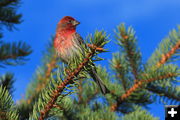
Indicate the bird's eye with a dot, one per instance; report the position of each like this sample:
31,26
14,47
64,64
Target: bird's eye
70,21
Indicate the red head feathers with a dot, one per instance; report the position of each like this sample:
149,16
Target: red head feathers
67,23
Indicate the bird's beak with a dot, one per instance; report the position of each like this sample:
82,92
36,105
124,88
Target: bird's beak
75,22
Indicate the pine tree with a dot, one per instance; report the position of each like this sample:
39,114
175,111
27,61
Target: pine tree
12,53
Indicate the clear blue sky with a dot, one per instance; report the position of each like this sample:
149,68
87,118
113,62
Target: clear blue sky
152,20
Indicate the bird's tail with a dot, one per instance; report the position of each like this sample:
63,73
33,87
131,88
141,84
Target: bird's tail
98,81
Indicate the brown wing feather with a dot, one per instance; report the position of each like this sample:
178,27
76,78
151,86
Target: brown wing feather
79,38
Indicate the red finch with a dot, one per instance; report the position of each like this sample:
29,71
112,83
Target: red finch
68,42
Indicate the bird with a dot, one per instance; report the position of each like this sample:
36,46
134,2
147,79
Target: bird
68,42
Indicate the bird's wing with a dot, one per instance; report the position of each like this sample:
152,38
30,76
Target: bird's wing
79,38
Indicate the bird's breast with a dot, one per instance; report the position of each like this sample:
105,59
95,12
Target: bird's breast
65,46
63,43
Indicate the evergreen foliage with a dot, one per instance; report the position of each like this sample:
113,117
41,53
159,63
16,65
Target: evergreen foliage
7,108
61,91
6,81
10,54
137,115
14,53
8,14
67,92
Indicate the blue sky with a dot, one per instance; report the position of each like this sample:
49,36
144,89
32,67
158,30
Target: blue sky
151,19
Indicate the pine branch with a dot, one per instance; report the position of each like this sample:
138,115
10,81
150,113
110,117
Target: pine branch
8,15
7,110
131,56
120,66
137,85
64,110
14,53
170,93
169,54
166,85
173,41
40,80
59,89
166,50
92,46
6,81
43,80
127,42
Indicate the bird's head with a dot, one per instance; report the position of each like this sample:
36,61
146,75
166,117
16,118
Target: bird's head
67,23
